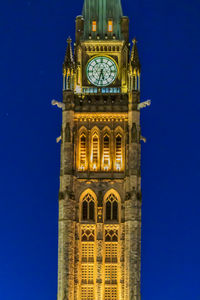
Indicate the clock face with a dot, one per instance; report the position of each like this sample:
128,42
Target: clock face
101,71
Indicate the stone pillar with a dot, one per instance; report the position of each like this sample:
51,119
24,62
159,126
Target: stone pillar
133,204
67,205
66,248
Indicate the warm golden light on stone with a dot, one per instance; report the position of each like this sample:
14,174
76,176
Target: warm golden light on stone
100,184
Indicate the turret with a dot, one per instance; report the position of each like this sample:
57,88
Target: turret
68,68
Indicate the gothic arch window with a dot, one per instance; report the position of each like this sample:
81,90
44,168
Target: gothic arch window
106,152
88,208
82,150
95,150
112,207
118,154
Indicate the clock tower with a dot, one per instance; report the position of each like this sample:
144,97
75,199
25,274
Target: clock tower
99,252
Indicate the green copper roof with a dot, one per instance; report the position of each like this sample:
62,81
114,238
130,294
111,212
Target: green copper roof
102,11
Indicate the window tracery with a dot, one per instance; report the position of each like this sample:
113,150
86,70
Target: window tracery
111,208
87,262
111,263
88,208
99,151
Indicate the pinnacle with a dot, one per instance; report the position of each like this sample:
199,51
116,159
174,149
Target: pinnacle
69,40
135,61
69,60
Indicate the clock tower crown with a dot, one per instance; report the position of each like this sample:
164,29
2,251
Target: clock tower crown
102,19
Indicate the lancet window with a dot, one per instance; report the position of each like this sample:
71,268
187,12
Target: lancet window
111,207
88,208
118,154
82,152
101,150
95,152
106,152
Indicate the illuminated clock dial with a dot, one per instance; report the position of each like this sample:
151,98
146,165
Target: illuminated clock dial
101,71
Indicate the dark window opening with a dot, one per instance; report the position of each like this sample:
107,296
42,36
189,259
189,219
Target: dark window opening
115,210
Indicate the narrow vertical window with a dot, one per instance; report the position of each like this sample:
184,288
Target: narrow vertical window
82,152
110,26
85,211
91,210
111,264
88,208
118,153
94,26
87,270
106,152
95,152
108,211
111,208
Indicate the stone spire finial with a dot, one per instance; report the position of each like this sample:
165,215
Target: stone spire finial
69,60
135,61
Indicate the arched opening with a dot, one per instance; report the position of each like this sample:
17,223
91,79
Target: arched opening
118,154
106,153
84,210
88,207
112,208
82,152
95,144
108,210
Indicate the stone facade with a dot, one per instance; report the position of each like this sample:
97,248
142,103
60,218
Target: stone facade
99,254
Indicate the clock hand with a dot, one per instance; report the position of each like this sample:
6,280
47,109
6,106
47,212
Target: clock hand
101,75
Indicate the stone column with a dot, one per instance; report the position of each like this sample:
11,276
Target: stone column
66,248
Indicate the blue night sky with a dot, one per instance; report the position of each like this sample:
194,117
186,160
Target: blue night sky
33,43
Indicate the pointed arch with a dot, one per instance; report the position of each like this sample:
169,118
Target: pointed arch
112,203
119,149
88,202
95,149
106,148
82,149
